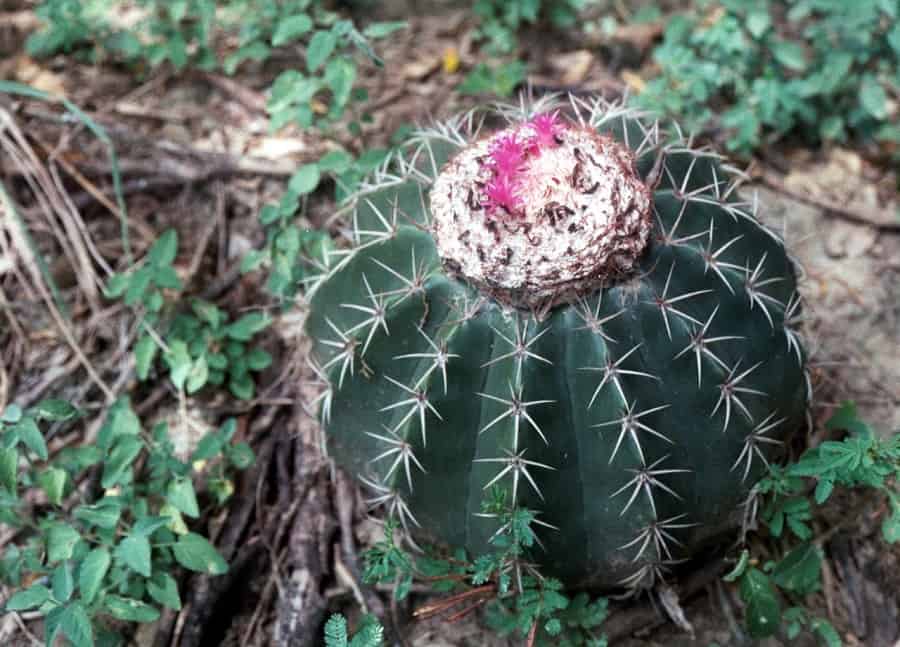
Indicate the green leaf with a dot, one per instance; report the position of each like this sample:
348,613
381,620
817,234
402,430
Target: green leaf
252,260
76,625
800,569
52,626
244,328
165,277
146,526
134,552
553,627
336,631
763,607
61,540
196,553
269,214
12,413
335,162
53,482
789,53
320,47
197,376
893,39
165,249
62,582
120,459
174,520
92,571
9,463
872,97
827,631
291,28
758,22
103,514
340,74
163,589
31,435
33,596
117,285
56,410
832,127
241,385
305,179
256,51
369,634
208,312
890,527
501,79
179,360
258,359
137,286
129,609
180,494
739,568
125,422
144,353
241,456
847,418
381,29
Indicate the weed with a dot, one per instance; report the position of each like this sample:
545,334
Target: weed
862,459
369,633
499,24
83,558
200,346
814,68
190,33
519,599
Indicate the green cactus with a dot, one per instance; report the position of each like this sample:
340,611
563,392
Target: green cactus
630,389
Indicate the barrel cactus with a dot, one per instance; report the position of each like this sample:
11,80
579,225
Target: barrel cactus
576,305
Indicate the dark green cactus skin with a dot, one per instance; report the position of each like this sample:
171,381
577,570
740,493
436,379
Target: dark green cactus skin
626,501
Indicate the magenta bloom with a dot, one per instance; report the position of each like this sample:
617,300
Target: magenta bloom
507,156
546,127
501,194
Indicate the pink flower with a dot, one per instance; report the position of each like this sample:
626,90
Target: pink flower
501,194
546,127
507,156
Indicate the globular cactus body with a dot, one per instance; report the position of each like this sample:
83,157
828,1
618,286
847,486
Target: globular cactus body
631,396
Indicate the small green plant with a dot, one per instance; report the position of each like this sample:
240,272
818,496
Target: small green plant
201,346
862,459
206,348
519,599
191,32
296,256
369,634
500,20
85,558
501,79
815,68
499,24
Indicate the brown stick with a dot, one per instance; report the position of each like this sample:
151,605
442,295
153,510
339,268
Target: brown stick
775,183
438,607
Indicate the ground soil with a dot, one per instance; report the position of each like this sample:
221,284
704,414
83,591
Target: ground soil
197,155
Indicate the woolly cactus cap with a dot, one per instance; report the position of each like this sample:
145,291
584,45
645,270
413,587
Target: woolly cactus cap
540,213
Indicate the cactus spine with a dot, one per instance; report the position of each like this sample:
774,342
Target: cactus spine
570,308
